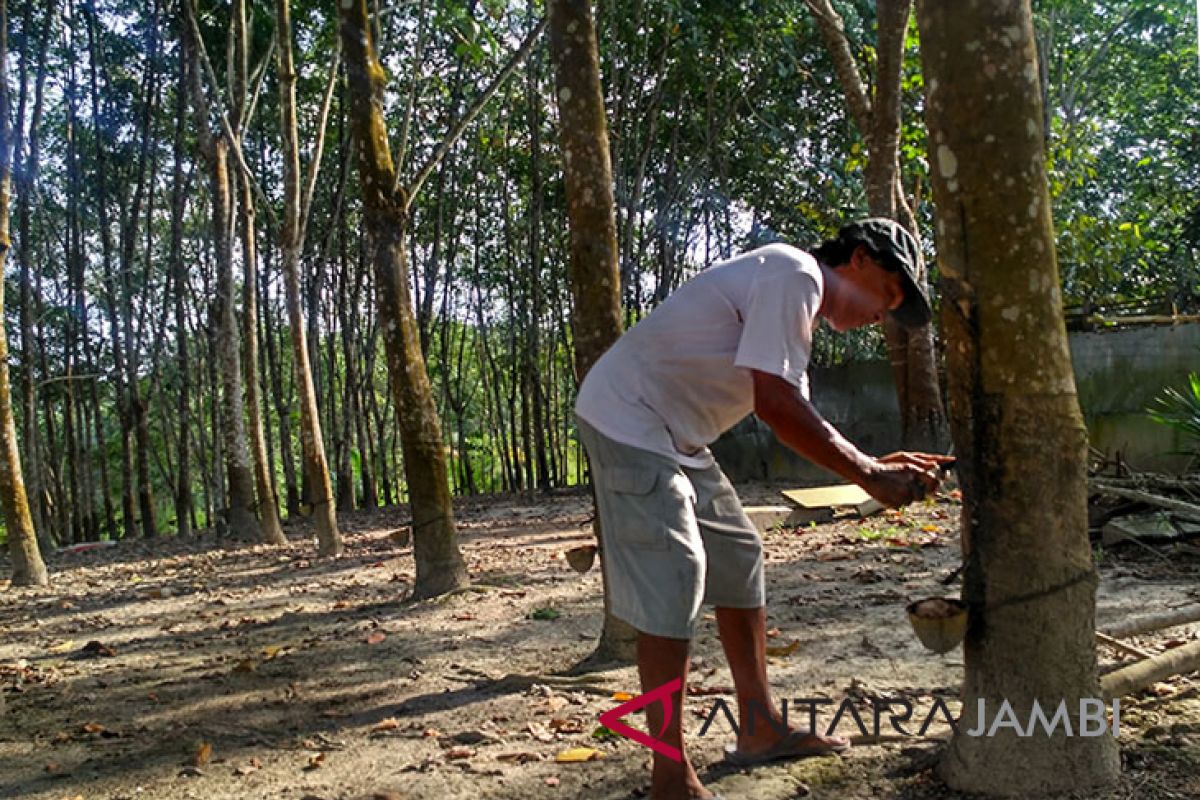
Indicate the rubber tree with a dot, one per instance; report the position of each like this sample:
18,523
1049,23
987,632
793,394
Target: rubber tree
28,567
295,208
1029,582
239,112
876,114
215,149
386,213
587,173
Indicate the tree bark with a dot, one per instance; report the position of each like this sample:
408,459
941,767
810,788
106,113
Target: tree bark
28,567
179,276
587,172
1021,443
264,483
440,566
312,445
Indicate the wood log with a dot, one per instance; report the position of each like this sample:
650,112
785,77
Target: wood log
1154,622
1189,511
1136,677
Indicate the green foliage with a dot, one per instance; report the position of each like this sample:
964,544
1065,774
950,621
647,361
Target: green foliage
1123,147
1180,409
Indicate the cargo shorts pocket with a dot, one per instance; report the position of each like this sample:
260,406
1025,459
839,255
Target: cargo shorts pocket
637,517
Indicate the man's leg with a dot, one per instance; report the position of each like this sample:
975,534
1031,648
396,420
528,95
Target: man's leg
661,660
744,637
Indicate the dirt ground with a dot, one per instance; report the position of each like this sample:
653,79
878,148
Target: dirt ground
205,669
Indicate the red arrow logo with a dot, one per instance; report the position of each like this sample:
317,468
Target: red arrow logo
663,693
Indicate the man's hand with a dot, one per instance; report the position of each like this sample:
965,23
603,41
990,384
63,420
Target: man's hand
901,478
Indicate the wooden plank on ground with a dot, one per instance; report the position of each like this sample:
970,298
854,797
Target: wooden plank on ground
846,494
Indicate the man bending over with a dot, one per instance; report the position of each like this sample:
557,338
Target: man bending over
734,339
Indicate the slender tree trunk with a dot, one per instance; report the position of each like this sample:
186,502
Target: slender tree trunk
239,468
267,507
179,273
28,568
147,180
282,410
1030,582
595,283
114,284
440,566
26,180
264,482
241,516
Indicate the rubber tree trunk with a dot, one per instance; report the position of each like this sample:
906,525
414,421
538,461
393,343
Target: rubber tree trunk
264,482
312,445
1029,582
28,567
595,280
183,474
243,522
440,566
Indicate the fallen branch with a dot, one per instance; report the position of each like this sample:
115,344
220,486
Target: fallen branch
1146,481
1119,646
1154,622
1138,676
1189,511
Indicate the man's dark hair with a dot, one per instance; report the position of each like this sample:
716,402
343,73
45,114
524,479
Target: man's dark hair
837,252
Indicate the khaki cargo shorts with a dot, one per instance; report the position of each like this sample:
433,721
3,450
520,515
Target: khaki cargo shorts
673,538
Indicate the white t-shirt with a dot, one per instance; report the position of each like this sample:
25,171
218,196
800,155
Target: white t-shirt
681,377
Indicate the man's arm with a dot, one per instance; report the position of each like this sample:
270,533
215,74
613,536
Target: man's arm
893,481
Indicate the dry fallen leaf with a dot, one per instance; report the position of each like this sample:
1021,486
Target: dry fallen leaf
622,697
459,752
375,637
61,647
246,665
578,754
783,651
389,724
202,755
272,651
93,727
552,780
315,761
